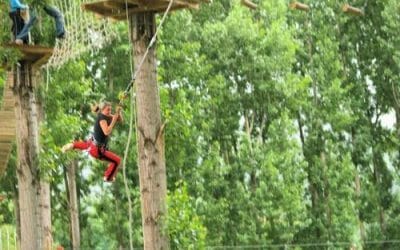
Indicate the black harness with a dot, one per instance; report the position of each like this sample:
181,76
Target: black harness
101,147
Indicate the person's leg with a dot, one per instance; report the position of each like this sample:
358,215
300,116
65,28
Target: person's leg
59,19
17,22
27,27
14,23
81,145
112,168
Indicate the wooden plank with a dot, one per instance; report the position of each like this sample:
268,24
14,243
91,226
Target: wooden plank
8,105
8,93
6,115
188,4
30,49
5,146
6,150
8,98
10,80
97,7
7,138
6,121
140,10
4,154
3,164
7,125
42,61
117,9
32,53
10,122
4,132
121,4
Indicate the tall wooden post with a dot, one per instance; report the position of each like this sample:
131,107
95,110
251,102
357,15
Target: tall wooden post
34,194
152,170
73,204
27,170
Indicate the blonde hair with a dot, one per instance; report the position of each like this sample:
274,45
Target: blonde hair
98,107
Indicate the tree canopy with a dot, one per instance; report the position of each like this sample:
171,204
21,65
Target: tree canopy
282,129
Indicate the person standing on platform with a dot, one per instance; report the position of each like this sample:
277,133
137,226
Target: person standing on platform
16,12
49,10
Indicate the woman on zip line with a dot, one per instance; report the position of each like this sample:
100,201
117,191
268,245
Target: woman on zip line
97,145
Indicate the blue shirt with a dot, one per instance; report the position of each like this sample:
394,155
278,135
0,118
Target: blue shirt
16,4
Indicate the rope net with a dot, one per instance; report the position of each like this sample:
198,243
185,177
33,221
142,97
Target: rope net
84,32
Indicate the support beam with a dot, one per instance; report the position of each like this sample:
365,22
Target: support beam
352,10
299,6
32,54
157,9
249,4
116,9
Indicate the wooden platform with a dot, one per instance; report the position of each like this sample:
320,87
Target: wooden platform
116,9
33,54
7,122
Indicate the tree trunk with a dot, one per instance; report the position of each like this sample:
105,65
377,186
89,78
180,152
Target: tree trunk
34,195
44,186
45,216
73,206
27,171
152,171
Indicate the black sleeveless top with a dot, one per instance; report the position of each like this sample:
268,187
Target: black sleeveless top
98,133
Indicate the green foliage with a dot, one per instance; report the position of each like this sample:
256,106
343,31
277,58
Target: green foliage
185,228
277,128
7,237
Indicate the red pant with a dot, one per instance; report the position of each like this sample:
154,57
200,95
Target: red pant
104,155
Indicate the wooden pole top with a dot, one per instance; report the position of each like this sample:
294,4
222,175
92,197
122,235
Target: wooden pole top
299,6
352,10
249,4
117,9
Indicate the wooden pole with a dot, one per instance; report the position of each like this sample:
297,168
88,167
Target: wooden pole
299,6
27,170
352,10
73,204
151,158
249,4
